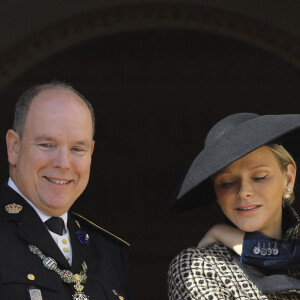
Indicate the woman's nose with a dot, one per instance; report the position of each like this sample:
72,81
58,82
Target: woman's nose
245,190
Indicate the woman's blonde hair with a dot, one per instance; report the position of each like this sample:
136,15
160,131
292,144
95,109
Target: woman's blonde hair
284,159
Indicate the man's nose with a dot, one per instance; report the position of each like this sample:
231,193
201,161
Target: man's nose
245,190
61,158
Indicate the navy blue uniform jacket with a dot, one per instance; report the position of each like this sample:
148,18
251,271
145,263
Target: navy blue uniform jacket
105,257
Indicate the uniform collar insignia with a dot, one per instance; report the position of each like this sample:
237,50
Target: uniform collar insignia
13,208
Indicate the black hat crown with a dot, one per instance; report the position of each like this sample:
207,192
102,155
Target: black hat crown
226,125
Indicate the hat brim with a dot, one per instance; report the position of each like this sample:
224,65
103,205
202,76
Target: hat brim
196,187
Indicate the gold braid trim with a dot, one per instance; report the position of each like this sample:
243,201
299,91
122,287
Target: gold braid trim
102,229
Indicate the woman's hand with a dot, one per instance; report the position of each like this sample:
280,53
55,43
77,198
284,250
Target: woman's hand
209,237
230,236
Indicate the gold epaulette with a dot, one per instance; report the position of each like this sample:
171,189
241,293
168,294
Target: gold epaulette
102,229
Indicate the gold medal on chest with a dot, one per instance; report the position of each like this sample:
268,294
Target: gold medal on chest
79,295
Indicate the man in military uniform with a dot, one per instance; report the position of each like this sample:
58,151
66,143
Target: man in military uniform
46,251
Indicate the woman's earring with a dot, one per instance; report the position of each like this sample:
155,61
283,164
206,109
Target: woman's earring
287,196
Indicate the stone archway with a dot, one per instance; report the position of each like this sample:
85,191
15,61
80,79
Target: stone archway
140,17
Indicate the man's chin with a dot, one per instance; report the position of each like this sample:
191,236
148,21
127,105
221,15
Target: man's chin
55,207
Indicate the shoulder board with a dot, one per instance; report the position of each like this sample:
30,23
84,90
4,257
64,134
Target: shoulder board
100,228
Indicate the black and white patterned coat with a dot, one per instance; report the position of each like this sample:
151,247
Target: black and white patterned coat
216,273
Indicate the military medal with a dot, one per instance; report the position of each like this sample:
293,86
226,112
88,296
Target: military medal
83,237
65,275
79,295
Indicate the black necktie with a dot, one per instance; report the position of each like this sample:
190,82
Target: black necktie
56,225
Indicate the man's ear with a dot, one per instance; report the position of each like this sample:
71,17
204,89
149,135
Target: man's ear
13,146
93,147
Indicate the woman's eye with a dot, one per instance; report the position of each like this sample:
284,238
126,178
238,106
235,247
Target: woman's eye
227,184
258,178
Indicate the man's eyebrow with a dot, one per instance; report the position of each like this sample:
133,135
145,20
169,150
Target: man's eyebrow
43,138
82,143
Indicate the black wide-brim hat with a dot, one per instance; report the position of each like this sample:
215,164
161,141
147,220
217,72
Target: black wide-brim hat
230,139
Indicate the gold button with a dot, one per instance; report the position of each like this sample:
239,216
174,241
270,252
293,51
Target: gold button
67,258
66,250
30,276
64,241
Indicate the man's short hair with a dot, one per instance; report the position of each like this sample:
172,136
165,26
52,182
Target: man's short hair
24,102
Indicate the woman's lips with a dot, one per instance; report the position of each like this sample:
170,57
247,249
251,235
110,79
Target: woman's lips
247,210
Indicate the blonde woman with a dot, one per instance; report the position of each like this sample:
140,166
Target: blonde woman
245,165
